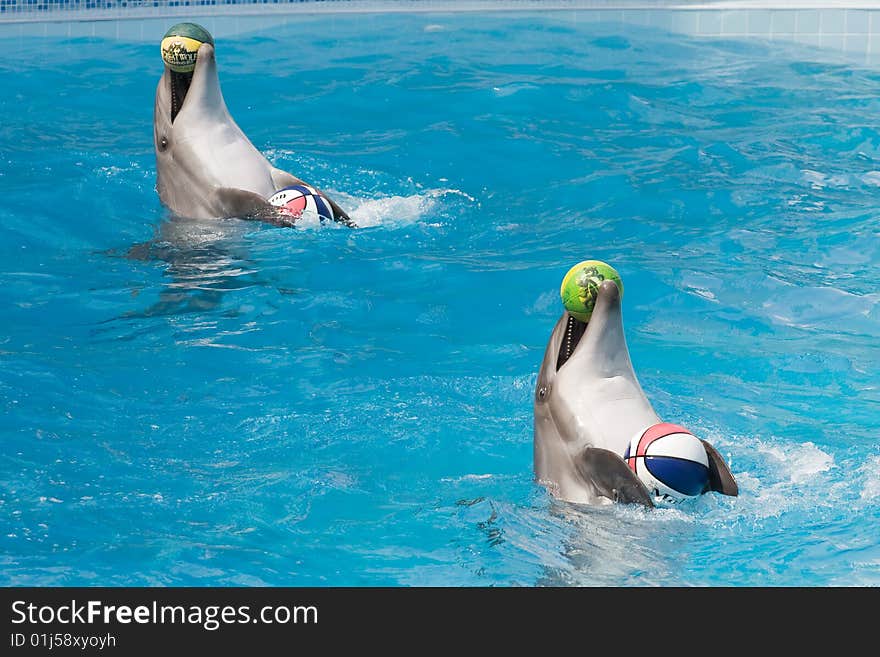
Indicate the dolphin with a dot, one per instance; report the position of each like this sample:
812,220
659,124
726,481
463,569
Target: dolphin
589,404
206,167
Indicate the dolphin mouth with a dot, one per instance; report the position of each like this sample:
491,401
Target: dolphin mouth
602,320
180,83
574,331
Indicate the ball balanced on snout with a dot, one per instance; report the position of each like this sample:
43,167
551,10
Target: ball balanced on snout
580,286
181,44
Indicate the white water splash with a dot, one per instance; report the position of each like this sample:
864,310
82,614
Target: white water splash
545,303
396,210
792,475
871,471
800,463
115,171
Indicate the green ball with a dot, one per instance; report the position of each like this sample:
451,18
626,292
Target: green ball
180,45
580,286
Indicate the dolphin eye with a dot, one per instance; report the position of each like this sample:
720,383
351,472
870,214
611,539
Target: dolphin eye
163,143
542,392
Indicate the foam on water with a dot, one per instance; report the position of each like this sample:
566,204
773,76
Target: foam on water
871,473
396,211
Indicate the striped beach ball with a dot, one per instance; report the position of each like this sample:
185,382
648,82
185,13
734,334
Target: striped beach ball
670,460
296,200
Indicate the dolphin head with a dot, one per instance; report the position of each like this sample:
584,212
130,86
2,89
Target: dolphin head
206,167
174,89
588,405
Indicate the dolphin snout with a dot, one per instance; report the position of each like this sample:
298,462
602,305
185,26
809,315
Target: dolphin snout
608,288
607,299
607,304
206,51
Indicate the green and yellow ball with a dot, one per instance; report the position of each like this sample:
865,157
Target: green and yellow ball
180,46
580,287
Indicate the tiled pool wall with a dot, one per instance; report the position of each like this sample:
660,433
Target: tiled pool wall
848,27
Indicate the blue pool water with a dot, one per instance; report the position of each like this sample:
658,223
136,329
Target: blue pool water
227,403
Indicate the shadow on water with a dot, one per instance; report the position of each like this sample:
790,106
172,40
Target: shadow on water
545,542
202,261
614,545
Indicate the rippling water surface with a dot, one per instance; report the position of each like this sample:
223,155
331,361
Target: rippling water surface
226,403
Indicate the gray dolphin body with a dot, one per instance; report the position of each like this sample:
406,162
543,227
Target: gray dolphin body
589,404
206,167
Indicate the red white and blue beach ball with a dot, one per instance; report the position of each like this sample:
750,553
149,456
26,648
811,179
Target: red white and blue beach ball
296,200
670,460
